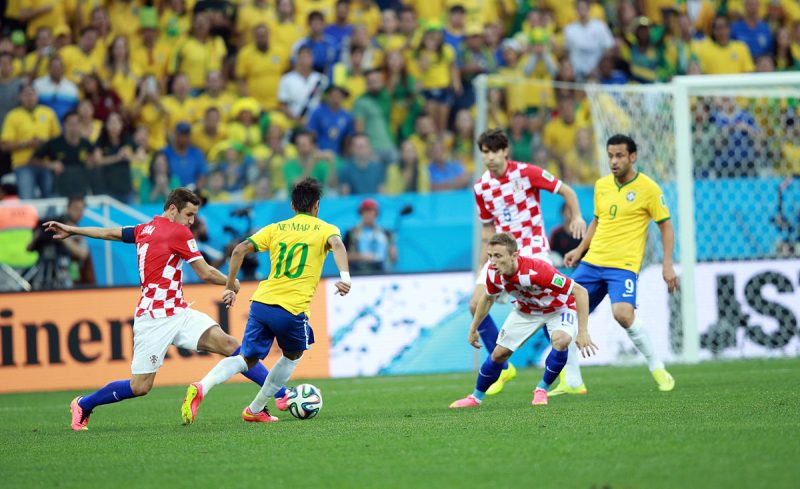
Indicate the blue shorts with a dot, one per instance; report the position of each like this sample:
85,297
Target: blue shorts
619,284
441,95
267,322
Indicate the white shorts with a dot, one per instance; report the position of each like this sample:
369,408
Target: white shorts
544,256
520,326
153,336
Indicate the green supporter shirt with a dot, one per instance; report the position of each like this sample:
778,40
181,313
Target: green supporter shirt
292,171
375,112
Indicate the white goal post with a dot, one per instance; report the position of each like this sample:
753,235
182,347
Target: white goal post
705,139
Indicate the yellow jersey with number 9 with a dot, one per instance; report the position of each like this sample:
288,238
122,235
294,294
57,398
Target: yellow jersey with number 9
297,249
623,214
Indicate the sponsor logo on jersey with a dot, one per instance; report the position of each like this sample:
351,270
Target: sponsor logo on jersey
548,176
631,196
663,201
559,280
192,245
516,185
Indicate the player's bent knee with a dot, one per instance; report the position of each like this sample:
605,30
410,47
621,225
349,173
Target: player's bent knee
230,344
293,355
140,387
251,362
624,319
500,356
560,341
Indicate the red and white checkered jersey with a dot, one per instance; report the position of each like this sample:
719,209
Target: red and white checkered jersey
161,248
511,202
537,287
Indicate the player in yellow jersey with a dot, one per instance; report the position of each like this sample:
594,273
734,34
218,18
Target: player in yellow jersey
624,204
279,307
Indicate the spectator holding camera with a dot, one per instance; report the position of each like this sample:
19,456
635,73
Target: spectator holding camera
63,263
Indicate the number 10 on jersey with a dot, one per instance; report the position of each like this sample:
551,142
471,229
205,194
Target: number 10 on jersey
285,259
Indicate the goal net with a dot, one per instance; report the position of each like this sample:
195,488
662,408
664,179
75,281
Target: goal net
726,152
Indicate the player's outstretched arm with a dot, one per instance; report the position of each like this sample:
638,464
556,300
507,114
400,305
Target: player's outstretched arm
668,243
340,258
231,283
209,274
62,231
577,226
583,341
481,311
574,256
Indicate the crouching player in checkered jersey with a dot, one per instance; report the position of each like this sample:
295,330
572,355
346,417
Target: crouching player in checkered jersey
543,297
162,316
507,196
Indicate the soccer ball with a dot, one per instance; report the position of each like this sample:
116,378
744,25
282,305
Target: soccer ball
305,401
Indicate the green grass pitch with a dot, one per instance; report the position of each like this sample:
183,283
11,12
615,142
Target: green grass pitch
726,425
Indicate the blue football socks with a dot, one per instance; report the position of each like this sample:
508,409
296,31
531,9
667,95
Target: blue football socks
552,367
258,374
487,330
111,393
488,375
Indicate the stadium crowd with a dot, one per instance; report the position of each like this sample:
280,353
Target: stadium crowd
241,99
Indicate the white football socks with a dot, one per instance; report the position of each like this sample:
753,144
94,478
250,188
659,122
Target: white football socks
641,339
224,370
278,376
572,370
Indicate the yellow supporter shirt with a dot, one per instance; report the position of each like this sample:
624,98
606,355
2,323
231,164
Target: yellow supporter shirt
427,9
155,122
275,162
180,111
120,14
262,73
623,214
54,17
559,136
22,124
791,159
326,7
297,249
249,17
197,58
437,76
370,17
76,63
204,141
123,84
154,62
717,60
223,102
29,62
283,36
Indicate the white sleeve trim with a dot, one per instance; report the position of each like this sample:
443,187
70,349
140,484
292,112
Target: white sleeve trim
558,187
571,286
190,260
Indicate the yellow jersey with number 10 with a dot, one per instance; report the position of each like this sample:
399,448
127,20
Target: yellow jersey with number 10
297,249
623,214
